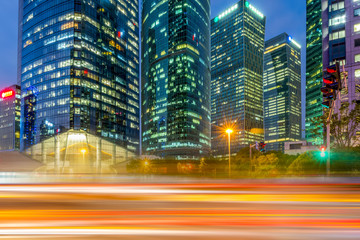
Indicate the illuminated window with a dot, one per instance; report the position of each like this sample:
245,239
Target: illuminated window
337,35
337,20
336,6
357,73
356,12
357,58
357,27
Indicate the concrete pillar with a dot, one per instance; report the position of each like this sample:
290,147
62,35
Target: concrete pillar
43,152
57,154
98,155
114,154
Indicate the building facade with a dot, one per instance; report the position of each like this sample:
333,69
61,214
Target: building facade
341,42
78,68
237,37
314,66
176,78
10,118
282,92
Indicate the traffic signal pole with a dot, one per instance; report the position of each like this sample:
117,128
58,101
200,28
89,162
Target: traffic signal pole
328,148
331,92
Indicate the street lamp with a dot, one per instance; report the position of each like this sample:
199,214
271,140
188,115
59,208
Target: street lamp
229,132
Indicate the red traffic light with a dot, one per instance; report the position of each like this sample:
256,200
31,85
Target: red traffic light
331,70
323,148
328,81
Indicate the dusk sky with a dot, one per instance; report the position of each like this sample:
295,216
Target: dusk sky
281,16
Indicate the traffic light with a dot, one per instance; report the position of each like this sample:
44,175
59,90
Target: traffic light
332,84
262,147
322,149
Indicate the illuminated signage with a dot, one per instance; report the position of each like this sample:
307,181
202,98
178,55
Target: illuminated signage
7,94
294,42
248,5
225,13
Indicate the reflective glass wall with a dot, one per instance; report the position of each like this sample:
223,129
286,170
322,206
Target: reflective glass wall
282,92
237,51
79,69
176,78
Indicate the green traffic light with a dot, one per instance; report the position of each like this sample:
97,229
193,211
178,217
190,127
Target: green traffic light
322,154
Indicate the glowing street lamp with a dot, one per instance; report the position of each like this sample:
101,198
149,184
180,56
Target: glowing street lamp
229,132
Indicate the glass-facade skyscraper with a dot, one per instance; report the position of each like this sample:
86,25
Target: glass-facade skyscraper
176,78
314,66
78,69
282,92
237,51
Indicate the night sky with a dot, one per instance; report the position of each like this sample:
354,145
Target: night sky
281,16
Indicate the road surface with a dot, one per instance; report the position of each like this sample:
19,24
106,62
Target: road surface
196,210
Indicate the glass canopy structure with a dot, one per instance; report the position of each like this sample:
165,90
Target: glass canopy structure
78,152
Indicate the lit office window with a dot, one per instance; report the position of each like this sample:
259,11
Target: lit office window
336,6
356,12
357,73
357,58
337,35
357,27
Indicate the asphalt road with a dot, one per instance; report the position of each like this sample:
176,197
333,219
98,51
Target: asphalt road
186,210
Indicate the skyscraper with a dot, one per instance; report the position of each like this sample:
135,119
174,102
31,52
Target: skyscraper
10,118
237,53
341,43
314,66
176,78
282,92
78,68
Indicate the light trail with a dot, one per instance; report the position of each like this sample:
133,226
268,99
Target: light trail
209,211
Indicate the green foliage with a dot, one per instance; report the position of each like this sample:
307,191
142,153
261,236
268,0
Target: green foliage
345,160
203,165
266,165
307,163
343,125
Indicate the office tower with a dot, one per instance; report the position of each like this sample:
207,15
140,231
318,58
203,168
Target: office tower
10,118
176,78
79,69
313,67
341,43
237,51
282,92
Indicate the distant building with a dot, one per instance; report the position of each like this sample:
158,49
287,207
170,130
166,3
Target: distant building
237,51
282,92
314,66
300,147
10,106
176,78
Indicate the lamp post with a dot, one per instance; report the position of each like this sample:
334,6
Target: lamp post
229,132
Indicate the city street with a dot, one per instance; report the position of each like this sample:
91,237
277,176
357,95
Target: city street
208,209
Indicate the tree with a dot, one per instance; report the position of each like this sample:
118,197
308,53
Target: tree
343,125
266,164
306,163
